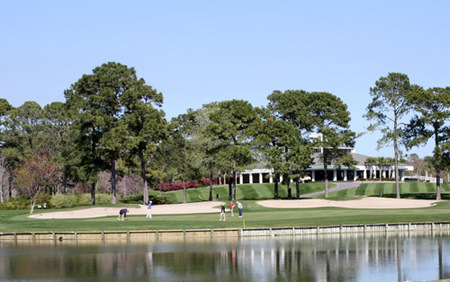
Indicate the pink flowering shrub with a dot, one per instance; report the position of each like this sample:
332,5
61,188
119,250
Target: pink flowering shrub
176,186
190,184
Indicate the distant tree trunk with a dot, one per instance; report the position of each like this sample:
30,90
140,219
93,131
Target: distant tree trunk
64,180
34,199
275,191
93,193
113,182
230,187
438,170
397,184
10,185
2,187
210,181
144,177
234,182
325,170
297,186
184,191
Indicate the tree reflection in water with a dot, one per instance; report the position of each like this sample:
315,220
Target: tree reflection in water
355,257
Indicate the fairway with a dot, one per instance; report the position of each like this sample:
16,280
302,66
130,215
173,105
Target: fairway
254,215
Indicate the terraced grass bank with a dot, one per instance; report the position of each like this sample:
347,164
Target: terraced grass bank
412,190
167,235
244,192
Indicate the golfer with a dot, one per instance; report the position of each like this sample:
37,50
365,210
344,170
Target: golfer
239,208
149,210
123,214
222,213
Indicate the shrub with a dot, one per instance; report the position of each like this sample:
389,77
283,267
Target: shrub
15,206
101,199
75,200
16,203
84,199
133,199
23,202
154,197
44,199
7,206
160,200
64,201
19,200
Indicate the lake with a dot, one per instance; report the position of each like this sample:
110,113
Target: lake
350,257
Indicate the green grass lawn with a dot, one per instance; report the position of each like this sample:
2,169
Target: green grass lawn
254,214
245,192
407,190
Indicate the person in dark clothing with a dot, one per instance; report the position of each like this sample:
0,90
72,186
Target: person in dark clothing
222,212
123,214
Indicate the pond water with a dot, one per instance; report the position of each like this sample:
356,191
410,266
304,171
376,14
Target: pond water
375,257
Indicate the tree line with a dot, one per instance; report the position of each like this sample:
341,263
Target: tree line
112,121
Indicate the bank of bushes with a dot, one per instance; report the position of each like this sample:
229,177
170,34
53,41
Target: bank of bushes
166,187
154,197
78,200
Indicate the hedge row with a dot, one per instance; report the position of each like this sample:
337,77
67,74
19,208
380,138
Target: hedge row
155,198
189,184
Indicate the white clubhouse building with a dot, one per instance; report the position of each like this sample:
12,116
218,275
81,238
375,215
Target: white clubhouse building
360,172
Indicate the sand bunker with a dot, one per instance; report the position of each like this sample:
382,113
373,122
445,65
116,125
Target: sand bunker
202,207
210,207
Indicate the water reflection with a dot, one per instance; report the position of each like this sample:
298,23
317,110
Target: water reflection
375,257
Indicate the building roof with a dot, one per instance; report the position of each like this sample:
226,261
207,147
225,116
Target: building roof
318,165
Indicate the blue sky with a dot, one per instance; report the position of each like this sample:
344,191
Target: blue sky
197,52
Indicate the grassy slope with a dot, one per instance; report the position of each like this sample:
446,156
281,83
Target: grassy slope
244,192
426,190
254,215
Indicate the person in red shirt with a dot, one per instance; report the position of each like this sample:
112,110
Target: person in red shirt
232,208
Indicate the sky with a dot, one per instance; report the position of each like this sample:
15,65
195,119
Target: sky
198,52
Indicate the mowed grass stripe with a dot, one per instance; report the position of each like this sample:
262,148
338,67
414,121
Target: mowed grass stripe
379,188
369,189
248,192
430,187
360,191
375,189
414,187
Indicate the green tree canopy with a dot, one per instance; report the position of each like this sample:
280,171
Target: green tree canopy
331,121
389,105
145,126
231,123
431,121
94,101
